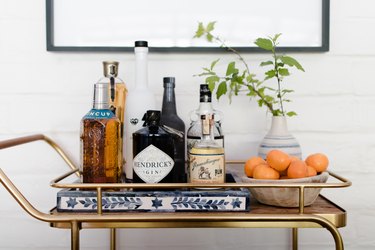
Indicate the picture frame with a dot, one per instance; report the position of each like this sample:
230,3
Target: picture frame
114,25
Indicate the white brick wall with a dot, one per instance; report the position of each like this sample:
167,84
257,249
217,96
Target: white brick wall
44,92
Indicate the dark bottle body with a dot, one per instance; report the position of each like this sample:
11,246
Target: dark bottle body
170,119
153,151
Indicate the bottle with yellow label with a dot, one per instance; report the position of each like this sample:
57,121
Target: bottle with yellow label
206,157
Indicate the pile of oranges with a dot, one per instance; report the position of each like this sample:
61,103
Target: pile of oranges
279,165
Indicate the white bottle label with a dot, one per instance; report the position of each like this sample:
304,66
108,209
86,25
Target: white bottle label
152,164
206,168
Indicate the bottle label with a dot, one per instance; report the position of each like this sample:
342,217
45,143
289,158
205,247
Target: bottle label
99,114
152,164
191,140
206,168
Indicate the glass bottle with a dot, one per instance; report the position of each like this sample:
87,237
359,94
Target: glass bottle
117,96
153,152
193,133
206,157
100,141
139,100
170,119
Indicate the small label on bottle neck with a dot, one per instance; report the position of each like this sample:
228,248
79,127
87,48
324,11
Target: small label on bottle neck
99,114
152,164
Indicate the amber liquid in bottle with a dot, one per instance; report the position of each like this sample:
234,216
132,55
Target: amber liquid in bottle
117,92
100,141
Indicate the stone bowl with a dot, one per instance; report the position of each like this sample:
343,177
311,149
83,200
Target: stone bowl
286,197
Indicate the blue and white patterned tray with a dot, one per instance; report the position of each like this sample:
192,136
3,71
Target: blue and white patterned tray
155,201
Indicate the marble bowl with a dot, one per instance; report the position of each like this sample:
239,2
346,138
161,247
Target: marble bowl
286,197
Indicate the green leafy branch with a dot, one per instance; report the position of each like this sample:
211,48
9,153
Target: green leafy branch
235,81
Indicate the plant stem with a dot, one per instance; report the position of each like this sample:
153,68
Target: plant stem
278,81
268,104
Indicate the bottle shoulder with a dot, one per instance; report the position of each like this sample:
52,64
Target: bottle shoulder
173,121
146,131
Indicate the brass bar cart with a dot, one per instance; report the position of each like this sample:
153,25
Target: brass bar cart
323,213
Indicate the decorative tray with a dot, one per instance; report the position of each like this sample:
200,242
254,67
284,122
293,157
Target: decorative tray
171,200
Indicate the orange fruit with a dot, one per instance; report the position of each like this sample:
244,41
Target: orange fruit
278,160
263,171
311,171
318,161
293,158
251,163
297,169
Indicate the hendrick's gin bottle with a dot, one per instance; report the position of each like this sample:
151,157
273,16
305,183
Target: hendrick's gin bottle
153,151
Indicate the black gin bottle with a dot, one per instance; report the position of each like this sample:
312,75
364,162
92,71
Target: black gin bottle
153,152
174,125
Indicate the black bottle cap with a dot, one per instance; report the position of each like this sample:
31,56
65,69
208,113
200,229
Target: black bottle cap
169,82
141,44
204,93
152,118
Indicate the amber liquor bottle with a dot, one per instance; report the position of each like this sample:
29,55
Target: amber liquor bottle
174,125
100,141
206,157
117,92
153,151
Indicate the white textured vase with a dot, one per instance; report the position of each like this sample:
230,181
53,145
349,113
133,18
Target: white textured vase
278,137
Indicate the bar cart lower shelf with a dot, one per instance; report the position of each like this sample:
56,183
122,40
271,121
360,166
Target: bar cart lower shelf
321,214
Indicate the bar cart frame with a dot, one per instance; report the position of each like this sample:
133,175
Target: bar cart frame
329,216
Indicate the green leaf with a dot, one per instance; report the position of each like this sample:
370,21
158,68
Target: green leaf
212,79
266,63
291,113
274,39
264,43
284,72
210,26
269,74
214,63
260,102
200,31
287,91
211,86
221,90
206,74
209,37
291,62
231,69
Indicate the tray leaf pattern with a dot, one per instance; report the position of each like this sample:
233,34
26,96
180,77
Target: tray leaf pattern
198,203
108,202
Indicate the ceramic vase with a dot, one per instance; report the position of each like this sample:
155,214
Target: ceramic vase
278,137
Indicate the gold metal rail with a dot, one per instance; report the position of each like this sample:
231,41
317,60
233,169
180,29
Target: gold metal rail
76,221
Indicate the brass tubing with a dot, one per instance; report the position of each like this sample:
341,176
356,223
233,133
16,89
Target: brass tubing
100,201
75,235
301,194
37,137
295,238
20,140
113,239
62,177
61,153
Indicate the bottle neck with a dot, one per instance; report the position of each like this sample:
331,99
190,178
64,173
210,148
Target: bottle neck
100,106
141,67
207,130
205,108
169,101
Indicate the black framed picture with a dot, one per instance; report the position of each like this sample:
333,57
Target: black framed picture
169,25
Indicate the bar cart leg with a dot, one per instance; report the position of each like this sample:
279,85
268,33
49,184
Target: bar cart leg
295,238
113,238
75,235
